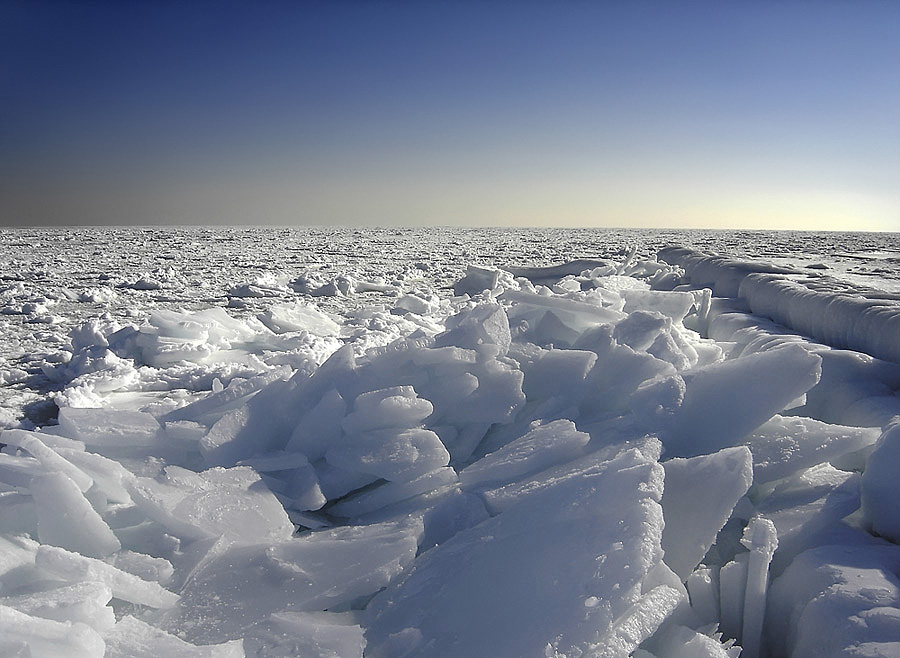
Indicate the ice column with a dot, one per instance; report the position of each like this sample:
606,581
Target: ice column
761,539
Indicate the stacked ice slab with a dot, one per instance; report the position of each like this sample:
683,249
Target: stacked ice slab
549,464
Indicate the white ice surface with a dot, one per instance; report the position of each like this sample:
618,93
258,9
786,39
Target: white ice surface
351,462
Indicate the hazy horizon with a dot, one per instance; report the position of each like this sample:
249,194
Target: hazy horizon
610,115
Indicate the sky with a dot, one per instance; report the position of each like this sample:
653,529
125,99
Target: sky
699,114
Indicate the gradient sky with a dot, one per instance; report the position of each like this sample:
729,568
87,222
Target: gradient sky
722,114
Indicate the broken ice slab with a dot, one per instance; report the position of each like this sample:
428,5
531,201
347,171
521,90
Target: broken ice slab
71,567
260,424
16,471
296,476
807,508
617,373
496,399
232,503
315,635
84,602
148,537
444,512
557,570
272,462
65,517
700,494
336,482
483,325
210,408
184,430
880,487
109,428
235,587
17,513
386,494
133,638
640,329
476,280
173,337
45,638
785,445
855,389
33,444
143,566
229,440
703,587
16,561
677,641
732,590
398,406
546,445
319,427
837,600
51,436
557,373
284,318
420,303
108,475
638,623
573,316
593,464
589,266
674,305
710,408
393,454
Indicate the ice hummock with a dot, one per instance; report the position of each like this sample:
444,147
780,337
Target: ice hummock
596,458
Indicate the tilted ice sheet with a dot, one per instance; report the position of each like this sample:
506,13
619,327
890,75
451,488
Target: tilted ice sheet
700,494
502,589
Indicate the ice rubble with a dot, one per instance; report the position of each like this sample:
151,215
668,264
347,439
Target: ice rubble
596,459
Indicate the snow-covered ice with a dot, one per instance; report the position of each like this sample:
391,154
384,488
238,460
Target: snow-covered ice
456,443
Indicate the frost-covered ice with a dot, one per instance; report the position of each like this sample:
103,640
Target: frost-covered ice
466,444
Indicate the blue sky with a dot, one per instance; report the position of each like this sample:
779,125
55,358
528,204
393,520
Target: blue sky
678,114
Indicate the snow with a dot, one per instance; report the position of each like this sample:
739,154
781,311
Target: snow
683,455
842,316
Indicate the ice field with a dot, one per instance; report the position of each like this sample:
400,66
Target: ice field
447,442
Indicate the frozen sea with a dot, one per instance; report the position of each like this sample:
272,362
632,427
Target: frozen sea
52,280
439,442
